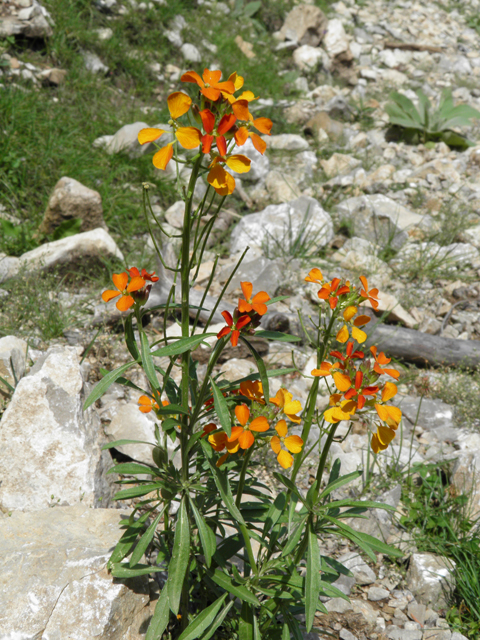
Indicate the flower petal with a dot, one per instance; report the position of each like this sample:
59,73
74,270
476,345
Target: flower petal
135,284
120,280
163,157
275,444
239,164
247,289
314,275
342,381
192,76
246,439
189,137
349,313
211,77
264,125
243,413
361,320
385,435
208,120
359,335
260,424
241,136
294,444
109,295
284,459
125,303
178,104
343,335
259,143
207,143
149,135
389,391
281,428
217,177
236,432
221,145
291,407
226,123
240,109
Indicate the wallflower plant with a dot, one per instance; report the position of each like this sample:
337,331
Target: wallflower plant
237,560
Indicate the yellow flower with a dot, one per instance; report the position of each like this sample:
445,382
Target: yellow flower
284,401
294,444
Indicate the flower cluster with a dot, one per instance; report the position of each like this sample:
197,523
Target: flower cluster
243,435
131,286
223,120
247,315
357,380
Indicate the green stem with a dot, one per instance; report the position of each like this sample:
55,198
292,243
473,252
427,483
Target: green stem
185,282
243,473
323,457
248,547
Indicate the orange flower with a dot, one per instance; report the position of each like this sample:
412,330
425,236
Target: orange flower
294,444
233,327
120,280
135,273
382,438
209,83
372,295
222,181
264,125
315,276
331,290
358,335
146,404
244,433
225,124
350,353
323,371
381,360
387,413
189,137
253,390
257,303
339,409
284,400
208,428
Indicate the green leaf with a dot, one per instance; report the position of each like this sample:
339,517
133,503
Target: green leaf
7,384
218,621
178,566
127,540
239,591
294,538
312,580
245,627
204,620
181,345
222,483
339,482
119,443
221,409
100,388
406,106
130,338
207,537
67,228
160,618
278,336
251,8
285,632
424,108
131,468
366,542
125,571
274,513
135,492
455,140
260,366
147,361
145,540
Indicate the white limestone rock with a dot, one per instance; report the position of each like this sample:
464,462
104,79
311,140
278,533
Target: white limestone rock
53,578
90,246
427,577
283,223
13,358
51,448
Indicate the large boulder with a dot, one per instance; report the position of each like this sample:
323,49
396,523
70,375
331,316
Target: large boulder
88,248
380,219
282,224
429,578
304,24
71,199
9,267
27,18
51,448
53,579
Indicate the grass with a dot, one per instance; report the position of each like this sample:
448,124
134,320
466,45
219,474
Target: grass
439,521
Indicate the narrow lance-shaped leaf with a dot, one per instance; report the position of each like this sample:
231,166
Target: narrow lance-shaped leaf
100,388
312,580
221,409
145,540
178,566
207,537
181,345
203,620
160,618
218,621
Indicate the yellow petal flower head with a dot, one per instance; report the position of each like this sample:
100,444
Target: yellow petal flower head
293,444
284,400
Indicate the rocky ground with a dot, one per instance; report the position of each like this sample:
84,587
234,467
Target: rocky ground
337,189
